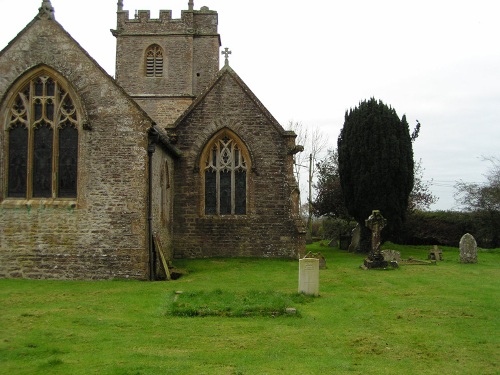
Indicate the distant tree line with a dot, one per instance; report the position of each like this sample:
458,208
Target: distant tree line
479,214
373,168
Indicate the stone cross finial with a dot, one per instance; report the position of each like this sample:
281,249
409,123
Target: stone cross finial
191,5
226,54
120,5
46,11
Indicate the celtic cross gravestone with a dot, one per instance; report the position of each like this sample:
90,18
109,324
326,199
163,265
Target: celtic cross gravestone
376,222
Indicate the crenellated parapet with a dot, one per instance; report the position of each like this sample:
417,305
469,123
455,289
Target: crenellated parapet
197,22
164,62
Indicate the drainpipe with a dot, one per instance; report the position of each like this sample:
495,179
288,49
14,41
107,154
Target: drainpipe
153,139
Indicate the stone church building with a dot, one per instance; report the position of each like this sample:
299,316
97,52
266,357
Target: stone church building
101,177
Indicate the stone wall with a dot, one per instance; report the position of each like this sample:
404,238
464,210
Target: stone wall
102,233
271,227
164,111
190,59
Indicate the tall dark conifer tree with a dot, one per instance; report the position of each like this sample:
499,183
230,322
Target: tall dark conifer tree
375,166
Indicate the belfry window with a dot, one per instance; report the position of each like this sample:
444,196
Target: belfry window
154,61
225,166
42,155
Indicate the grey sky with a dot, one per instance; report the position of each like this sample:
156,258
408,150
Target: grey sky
437,61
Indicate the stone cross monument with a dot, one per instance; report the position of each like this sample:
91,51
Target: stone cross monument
376,222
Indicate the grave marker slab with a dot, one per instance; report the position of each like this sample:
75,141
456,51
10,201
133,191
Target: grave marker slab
468,249
309,276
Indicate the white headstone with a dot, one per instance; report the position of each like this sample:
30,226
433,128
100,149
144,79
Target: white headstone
309,276
468,249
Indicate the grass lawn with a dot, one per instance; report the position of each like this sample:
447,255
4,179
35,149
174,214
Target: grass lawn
441,319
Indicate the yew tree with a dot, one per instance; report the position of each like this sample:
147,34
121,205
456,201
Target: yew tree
329,198
375,159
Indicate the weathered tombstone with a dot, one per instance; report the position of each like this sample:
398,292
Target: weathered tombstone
322,261
435,253
391,255
468,249
376,222
355,238
309,275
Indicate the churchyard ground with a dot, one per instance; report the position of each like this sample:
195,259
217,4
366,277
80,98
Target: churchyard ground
439,319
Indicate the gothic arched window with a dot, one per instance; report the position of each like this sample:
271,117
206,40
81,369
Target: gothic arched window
42,128
225,166
154,61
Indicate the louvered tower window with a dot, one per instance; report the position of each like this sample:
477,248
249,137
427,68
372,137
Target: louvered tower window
42,141
154,61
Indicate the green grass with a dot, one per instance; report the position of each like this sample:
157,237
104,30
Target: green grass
439,319
230,304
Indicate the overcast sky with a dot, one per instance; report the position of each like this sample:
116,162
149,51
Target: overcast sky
309,61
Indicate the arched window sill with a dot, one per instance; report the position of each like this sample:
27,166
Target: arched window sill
39,203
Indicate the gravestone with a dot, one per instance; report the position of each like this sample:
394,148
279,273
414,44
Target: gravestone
355,238
468,249
376,222
322,261
309,276
435,253
391,255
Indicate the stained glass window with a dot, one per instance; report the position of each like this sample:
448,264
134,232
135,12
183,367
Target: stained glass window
210,192
68,161
154,61
42,161
18,160
225,173
42,158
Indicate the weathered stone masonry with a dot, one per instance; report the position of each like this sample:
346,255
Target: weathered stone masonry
269,228
101,234
135,180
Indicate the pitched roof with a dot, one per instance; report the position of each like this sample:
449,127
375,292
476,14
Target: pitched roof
227,70
46,14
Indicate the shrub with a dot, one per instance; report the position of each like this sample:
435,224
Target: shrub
447,227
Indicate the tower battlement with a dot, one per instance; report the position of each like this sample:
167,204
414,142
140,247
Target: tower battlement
163,63
200,22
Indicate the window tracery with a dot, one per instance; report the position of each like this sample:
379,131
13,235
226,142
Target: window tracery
42,132
225,177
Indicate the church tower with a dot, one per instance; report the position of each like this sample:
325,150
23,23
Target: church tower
164,63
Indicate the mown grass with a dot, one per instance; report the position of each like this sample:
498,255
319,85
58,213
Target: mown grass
415,319
230,304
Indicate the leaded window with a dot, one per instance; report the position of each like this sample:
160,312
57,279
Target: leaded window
42,127
225,175
154,61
